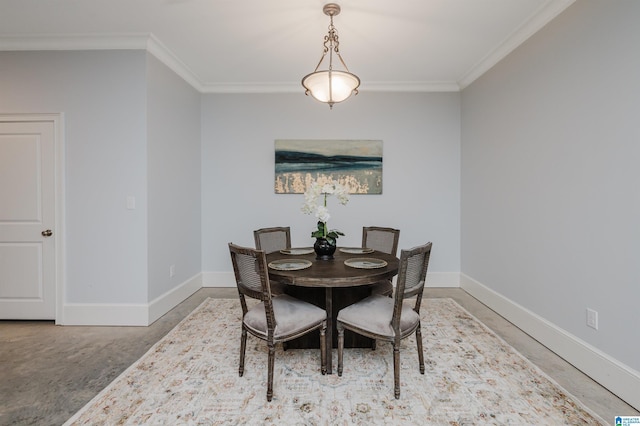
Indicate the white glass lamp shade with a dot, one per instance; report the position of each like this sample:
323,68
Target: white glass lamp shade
331,86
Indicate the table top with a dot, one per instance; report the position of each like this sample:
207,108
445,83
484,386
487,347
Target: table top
333,273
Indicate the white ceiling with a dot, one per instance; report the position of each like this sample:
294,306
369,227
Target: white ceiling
269,45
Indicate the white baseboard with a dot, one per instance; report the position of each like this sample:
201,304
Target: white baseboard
105,314
145,314
434,279
129,314
163,304
606,370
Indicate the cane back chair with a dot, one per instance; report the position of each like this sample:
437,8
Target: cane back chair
275,319
391,319
384,240
270,240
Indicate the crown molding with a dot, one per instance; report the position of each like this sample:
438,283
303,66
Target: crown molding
150,43
545,14
410,86
417,86
167,57
147,41
251,88
74,42
129,41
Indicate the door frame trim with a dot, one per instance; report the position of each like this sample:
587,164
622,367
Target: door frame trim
59,165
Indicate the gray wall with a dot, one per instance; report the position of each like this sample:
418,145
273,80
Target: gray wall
103,97
174,235
421,170
550,153
132,128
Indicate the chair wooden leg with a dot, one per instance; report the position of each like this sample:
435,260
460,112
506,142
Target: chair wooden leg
272,355
243,347
396,370
340,329
323,349
420,352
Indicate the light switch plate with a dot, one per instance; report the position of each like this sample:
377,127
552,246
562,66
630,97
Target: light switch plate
592,319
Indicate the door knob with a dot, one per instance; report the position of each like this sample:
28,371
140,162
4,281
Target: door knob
47,233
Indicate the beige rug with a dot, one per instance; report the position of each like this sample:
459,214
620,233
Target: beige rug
472,377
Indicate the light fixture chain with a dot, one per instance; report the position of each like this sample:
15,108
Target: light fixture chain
332,39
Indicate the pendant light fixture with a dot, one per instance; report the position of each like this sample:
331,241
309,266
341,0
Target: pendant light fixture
328,85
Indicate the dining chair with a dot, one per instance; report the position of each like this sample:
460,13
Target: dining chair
270,240
390,319
384,240
275,319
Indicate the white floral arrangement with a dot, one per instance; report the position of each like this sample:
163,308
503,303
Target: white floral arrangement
320,191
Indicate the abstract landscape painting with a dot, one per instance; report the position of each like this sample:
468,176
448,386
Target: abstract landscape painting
353,163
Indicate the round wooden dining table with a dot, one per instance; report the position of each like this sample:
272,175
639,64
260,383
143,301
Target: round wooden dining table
332,285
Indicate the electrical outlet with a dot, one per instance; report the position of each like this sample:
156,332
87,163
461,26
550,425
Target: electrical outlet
592,319
172,271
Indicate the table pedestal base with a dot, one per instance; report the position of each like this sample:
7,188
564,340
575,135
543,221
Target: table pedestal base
331,299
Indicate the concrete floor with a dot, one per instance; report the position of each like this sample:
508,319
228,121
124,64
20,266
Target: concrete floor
47,372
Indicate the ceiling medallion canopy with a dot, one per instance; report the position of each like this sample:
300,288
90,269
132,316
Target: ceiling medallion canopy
329,85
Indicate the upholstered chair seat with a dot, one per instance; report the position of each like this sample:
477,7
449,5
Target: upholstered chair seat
274,319
374,315
293,317
391,319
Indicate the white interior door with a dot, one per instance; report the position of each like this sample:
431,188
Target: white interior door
27,220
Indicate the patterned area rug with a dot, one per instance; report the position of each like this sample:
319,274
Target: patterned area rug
472,377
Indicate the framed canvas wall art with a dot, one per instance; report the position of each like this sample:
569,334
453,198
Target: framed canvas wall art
353,163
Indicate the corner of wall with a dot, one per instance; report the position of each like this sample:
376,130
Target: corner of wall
609,372
129,314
